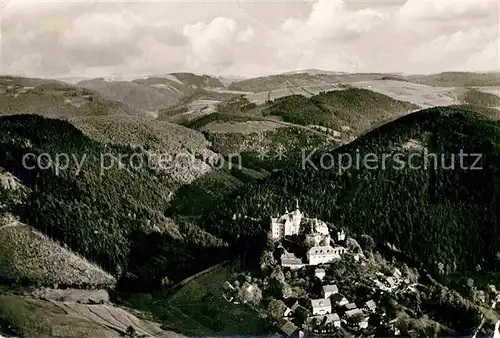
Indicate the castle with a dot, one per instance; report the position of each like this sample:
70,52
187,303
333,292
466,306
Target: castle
317,238
286,225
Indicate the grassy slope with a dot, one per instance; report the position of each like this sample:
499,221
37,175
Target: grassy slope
457,79
444,215
29,317
28,256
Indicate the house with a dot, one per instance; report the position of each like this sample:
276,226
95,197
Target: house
320,273
288,328
355,319
297,308
390,282
350,306
321,306
333,319
363,324
391,325
370,306
397,274
324,254
329,290
339,300
286,225
289,260
291,306
228,287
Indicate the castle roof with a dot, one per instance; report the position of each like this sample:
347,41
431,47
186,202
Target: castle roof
321,250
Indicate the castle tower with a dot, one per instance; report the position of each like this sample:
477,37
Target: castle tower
341,235
276,229
296,218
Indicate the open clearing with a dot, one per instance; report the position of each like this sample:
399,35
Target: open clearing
44,318
424,96
489,90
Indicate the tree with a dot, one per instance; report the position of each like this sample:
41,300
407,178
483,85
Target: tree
276,308
267,261
353,246
165,282
278,274
286,290
440,268
367,243
130,331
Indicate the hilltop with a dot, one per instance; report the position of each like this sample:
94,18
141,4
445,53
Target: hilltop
154,93
186,153
55,99
319,78
356,109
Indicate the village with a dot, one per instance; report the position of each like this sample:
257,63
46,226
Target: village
297,290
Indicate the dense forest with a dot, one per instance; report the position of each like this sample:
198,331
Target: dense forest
112,217
118,219
336,108
434,212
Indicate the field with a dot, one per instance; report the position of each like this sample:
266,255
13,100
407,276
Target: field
32,317
199,309
421,95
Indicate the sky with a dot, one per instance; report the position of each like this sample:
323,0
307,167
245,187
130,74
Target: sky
247,38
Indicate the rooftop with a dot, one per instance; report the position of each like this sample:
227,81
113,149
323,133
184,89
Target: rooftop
391,281
354,312
351,306
338,297
333,317
371,304
291,303
321,250
330,288
321,303
291,261
288,328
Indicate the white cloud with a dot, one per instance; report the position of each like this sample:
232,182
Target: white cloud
54,39
99,30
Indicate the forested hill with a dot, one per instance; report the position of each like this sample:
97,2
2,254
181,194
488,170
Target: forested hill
114,216
432,213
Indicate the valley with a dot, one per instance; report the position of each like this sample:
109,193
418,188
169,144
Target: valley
232,155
